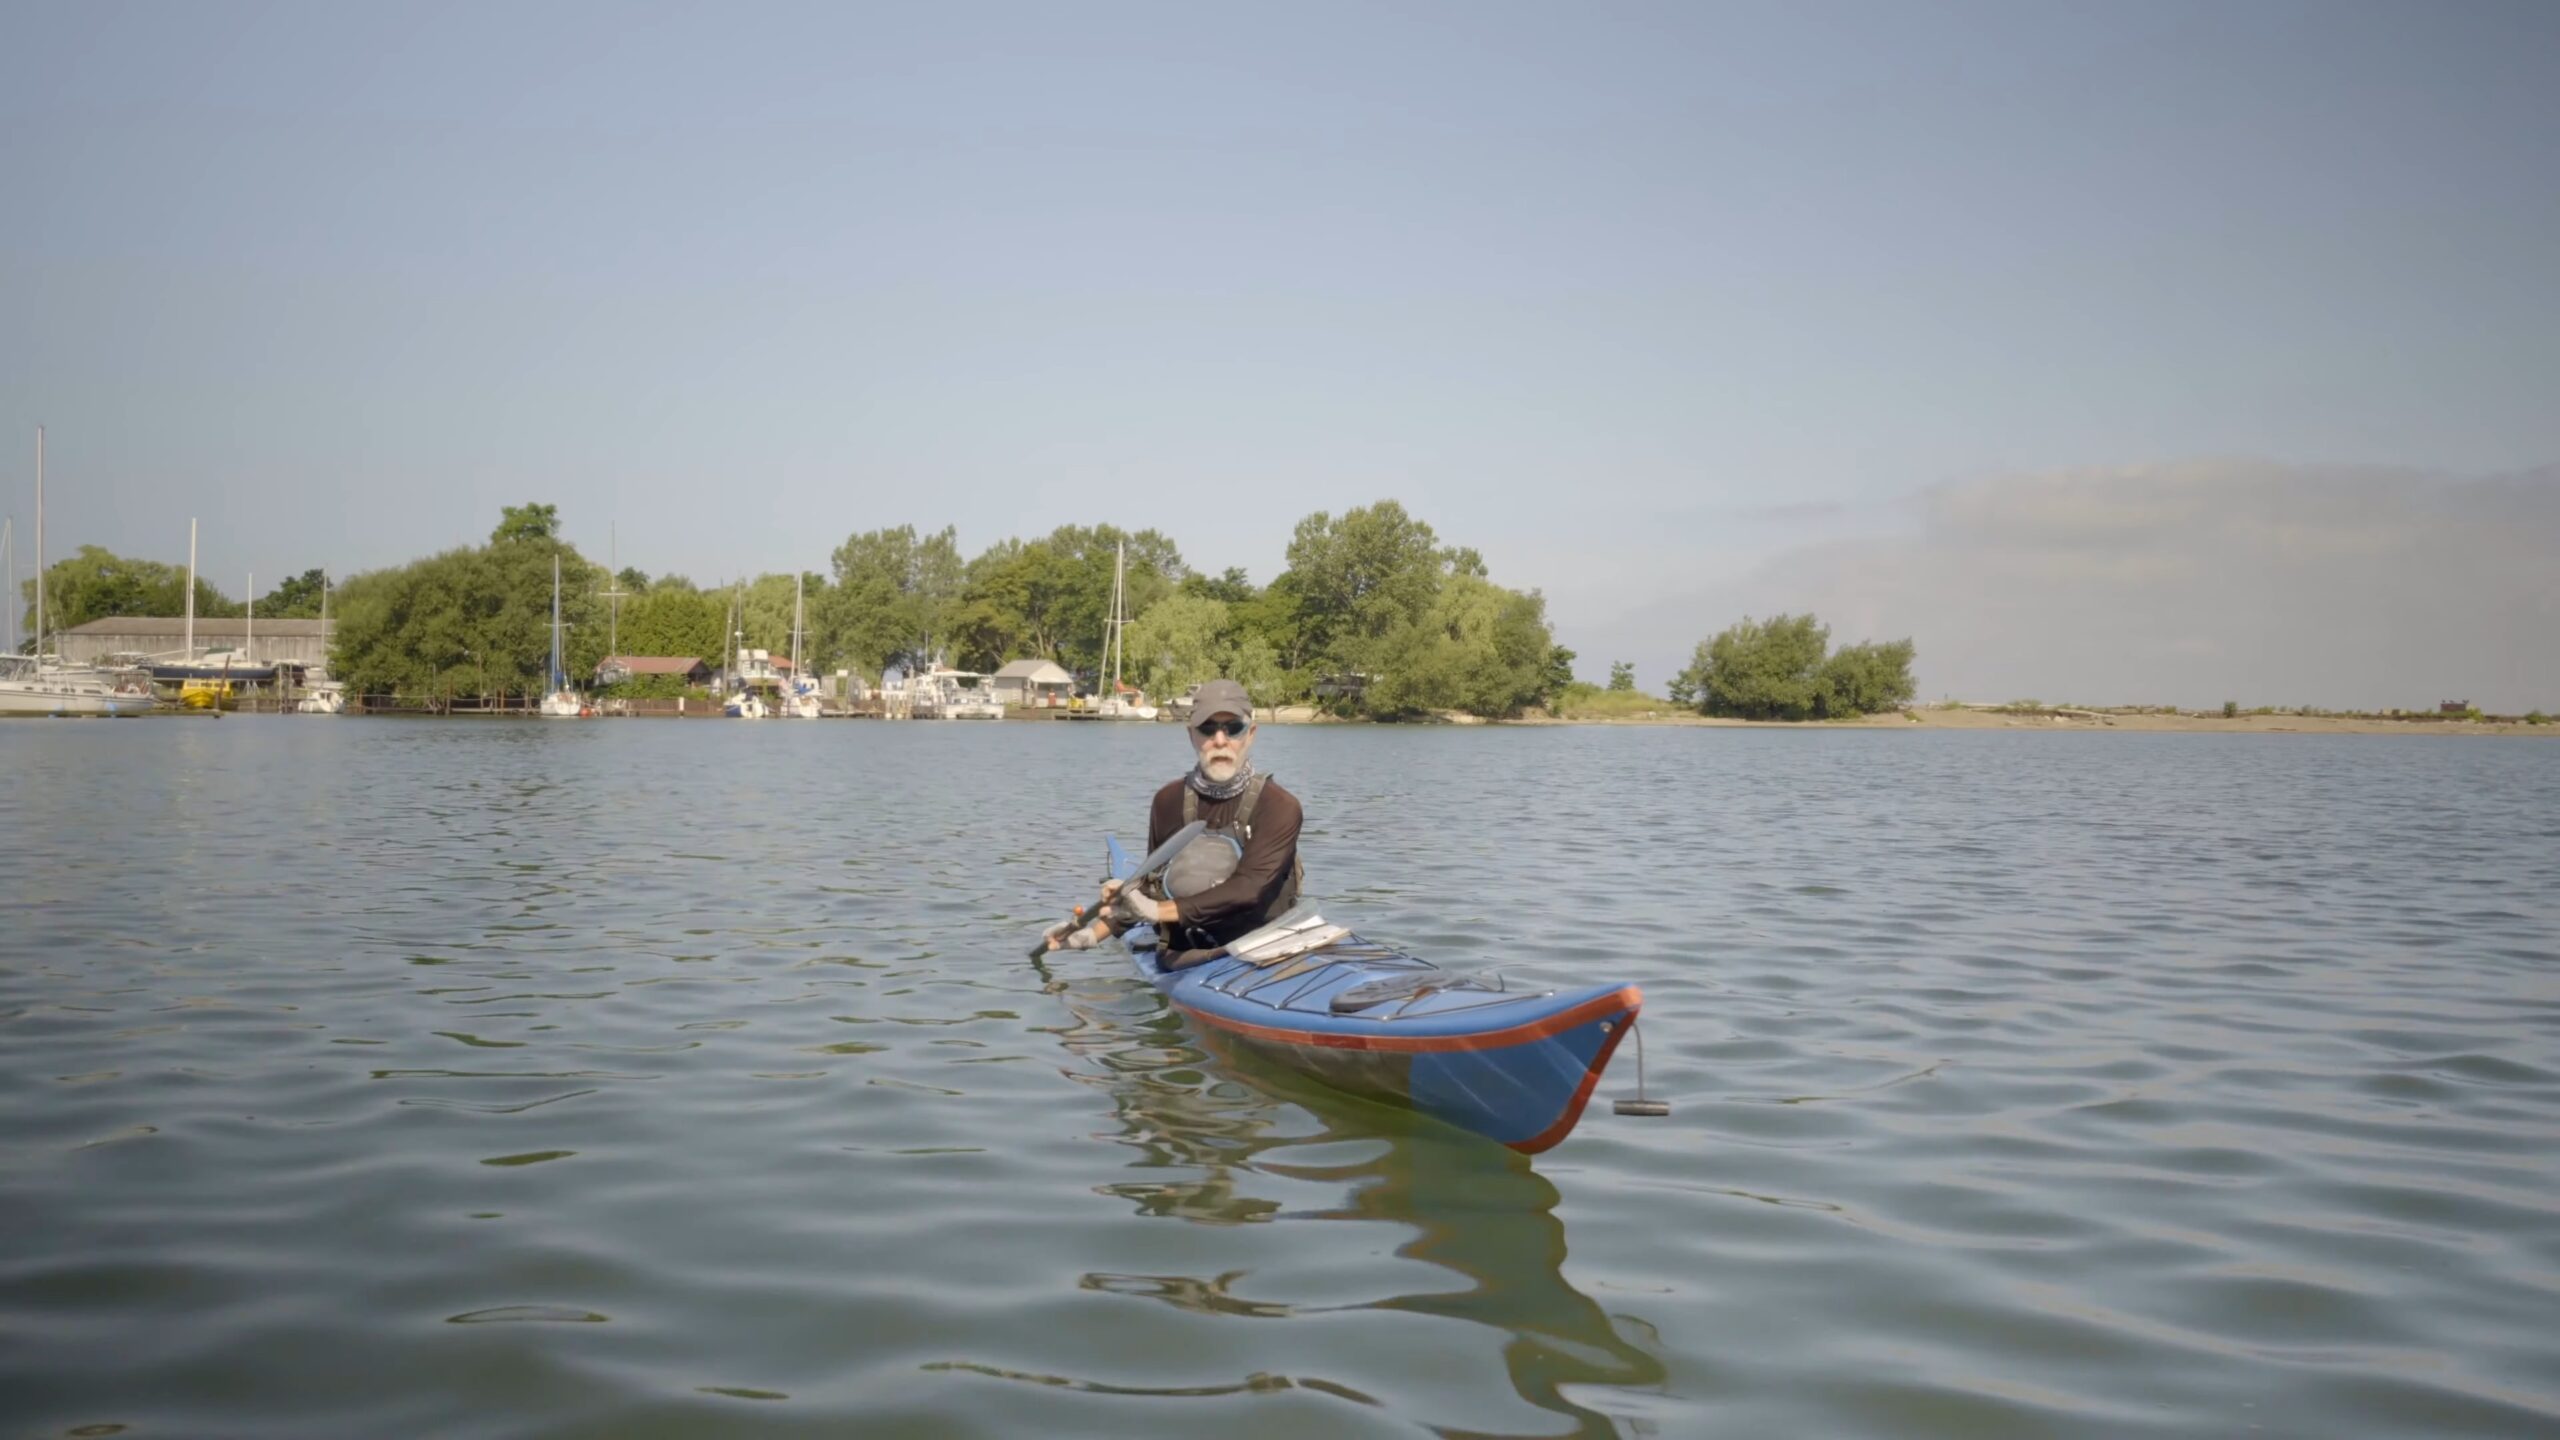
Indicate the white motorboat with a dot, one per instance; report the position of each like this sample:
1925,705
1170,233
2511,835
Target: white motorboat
32,685
945,694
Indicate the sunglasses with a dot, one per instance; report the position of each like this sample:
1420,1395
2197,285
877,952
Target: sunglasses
1221,727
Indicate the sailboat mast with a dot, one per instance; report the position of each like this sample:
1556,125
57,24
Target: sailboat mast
613,557
556,676
249,640
9,561
190,658
39,545
1119,616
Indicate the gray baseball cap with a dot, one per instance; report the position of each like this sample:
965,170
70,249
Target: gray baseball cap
1222,697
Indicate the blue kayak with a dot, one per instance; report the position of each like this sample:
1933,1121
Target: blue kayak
1513,1065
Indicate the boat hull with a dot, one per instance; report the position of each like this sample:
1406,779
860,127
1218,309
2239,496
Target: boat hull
1516,1067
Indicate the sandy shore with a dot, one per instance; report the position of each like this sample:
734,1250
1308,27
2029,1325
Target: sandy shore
1934,719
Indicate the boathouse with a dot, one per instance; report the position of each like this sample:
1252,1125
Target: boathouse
1038,683
302,644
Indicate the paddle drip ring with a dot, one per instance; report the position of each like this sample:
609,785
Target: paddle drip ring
1640,1105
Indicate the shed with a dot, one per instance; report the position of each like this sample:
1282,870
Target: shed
1033,682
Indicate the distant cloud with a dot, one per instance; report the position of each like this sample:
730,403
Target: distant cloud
2189,583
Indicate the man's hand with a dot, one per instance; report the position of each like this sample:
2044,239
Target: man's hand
1132,907
1068,935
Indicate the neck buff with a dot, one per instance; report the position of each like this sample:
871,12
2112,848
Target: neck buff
1227,789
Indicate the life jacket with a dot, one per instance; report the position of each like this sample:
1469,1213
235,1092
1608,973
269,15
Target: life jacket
1214,856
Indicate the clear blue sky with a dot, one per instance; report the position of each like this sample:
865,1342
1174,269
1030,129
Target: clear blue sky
1631,297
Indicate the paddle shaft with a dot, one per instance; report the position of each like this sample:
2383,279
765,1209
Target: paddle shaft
1156,860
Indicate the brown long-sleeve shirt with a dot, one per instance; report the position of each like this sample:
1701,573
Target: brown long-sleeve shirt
1250,897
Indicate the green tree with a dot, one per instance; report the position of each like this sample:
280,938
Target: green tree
1762,670
1777,669
1009,606
666,620
1622,675
895,600
1363,575
1181,640
1231,588
295,599
94,583
468,622
526,522
1273,622
1478,648
1867,679
1079,611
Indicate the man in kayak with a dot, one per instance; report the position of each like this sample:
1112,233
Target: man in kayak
1242,872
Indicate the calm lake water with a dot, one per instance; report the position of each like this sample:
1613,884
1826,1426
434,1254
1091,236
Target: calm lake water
631,1079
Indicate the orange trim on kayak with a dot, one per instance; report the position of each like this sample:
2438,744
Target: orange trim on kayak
1626,997
1572,1115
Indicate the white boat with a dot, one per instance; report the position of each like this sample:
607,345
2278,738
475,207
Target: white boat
42,684
945,694
321,695
559,702
746,702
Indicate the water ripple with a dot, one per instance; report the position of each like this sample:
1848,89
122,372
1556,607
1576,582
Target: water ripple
445,1078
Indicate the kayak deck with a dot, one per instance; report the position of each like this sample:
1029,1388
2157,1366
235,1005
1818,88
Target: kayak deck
1517,1066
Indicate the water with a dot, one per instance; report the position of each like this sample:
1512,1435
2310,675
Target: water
654,1079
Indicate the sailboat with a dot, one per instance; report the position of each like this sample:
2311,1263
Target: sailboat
559,702
1122,703
39,684
207,676
326,696
746,704
802,703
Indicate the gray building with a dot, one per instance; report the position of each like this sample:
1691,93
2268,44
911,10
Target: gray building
286,642
1032,682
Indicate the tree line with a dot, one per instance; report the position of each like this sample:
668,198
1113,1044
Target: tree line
1373,614
94,583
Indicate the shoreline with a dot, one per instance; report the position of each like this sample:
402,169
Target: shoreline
2155,722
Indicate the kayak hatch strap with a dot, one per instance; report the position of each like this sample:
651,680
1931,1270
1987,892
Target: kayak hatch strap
1254,980
1299,966
1408,988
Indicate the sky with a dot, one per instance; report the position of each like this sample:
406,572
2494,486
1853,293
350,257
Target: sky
2148,352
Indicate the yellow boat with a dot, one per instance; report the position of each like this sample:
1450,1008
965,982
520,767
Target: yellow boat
207,695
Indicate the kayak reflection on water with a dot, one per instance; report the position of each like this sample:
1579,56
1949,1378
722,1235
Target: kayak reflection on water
1226,1142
